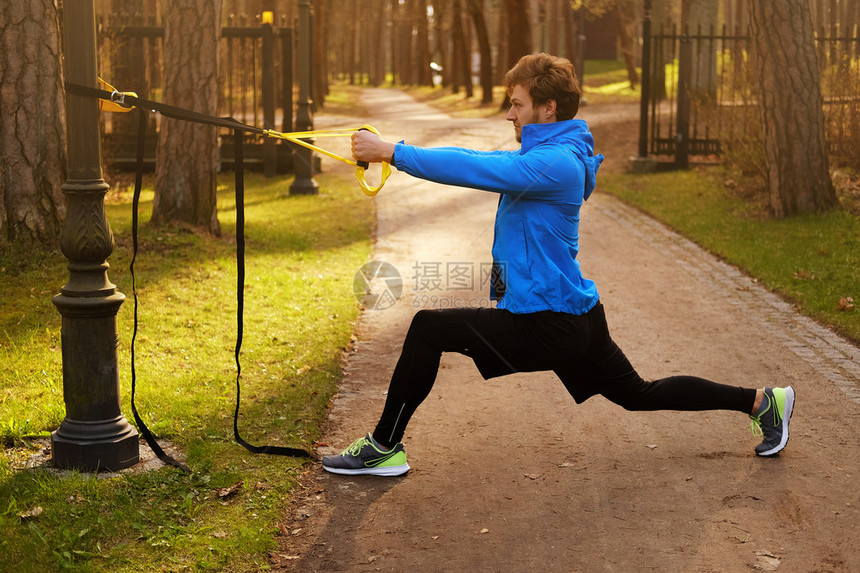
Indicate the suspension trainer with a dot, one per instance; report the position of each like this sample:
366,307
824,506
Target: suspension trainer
112,100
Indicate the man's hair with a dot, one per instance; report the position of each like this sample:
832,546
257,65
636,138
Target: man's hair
546,78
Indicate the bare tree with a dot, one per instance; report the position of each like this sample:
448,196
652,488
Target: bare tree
476,11
462,73
624,22
518,35
320,41
421,67
32,122
791,108
700,17
185,175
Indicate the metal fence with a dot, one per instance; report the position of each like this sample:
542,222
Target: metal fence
256,86
698,92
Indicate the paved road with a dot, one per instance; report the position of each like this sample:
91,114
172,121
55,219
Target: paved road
511,475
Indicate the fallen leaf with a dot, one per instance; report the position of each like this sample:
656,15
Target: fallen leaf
845,303
296,531
227,491
767,561
651,446
533,476
220,534
283,529
485,530
35,512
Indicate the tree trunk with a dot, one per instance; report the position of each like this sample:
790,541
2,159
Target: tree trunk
623,17
375,45
701,17
554,11
462,73
519,35
422,45
476,10
32,123
791,108
185,175
443,31
503,44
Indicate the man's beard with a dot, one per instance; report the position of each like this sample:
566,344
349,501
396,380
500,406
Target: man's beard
519,134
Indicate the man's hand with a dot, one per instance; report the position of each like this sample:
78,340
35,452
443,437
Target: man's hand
367,146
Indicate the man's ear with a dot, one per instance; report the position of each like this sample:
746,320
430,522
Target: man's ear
550,108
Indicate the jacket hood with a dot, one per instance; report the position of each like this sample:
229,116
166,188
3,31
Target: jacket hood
572,132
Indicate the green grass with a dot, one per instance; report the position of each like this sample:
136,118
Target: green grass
302,254
811,260
605,82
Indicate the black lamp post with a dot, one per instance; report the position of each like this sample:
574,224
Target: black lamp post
94,434
304,183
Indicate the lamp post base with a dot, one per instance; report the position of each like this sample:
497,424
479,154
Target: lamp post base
91,446
642,165
304,186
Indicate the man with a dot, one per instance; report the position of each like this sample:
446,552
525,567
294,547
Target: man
548,316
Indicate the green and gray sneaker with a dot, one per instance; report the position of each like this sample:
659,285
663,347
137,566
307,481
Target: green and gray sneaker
365,457
772,419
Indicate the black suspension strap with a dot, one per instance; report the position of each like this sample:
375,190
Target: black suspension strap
238,129
240,300
135,202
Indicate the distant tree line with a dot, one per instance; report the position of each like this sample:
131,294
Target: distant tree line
376,41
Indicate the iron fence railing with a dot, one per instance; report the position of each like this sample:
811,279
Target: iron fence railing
256,85
698,92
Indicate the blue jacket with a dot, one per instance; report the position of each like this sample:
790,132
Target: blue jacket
543,187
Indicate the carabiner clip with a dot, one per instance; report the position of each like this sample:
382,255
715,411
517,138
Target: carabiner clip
119,99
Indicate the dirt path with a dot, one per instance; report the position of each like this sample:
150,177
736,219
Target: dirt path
511,475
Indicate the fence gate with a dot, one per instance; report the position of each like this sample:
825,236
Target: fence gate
688,79
255,87
699,91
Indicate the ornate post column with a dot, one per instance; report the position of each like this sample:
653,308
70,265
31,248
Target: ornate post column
303,157
94,434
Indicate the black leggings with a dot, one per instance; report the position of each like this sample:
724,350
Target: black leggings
577,348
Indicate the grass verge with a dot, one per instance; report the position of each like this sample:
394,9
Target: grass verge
810,260
606,81
302,254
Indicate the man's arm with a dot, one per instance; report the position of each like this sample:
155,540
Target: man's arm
546,172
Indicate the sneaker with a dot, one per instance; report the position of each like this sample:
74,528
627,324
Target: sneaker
365,457
772,424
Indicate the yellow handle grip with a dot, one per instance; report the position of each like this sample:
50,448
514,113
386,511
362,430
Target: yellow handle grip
361,167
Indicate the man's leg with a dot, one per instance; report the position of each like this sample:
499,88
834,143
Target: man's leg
478,333
605,370
473,332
